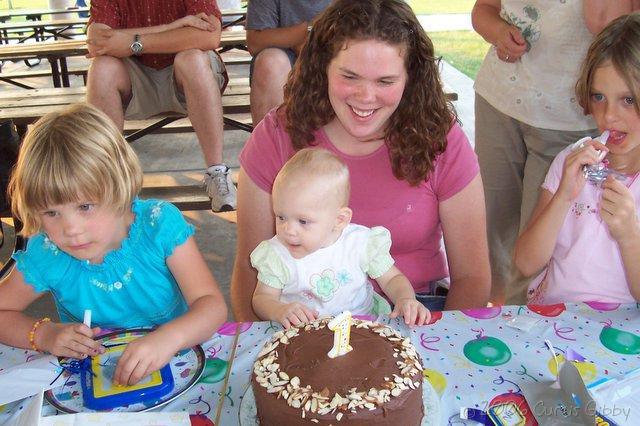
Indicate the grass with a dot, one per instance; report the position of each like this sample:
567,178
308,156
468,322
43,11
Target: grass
429,7
24,4
464,50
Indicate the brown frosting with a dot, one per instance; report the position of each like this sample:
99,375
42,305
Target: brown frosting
378,382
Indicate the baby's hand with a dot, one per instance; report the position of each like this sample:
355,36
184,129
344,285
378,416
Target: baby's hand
68,340
414,312
143,356
618,210
295,314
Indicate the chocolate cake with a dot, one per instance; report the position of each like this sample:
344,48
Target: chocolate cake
378,383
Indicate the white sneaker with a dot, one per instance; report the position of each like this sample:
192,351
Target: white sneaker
220,188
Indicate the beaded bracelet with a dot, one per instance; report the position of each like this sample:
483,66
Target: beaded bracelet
32,333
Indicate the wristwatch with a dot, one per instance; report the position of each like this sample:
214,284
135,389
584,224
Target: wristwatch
136,46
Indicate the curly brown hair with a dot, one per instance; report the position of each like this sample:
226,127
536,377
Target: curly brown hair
418,128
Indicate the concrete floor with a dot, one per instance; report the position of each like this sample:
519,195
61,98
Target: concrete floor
180,153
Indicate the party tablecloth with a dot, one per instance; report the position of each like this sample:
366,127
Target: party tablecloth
472,358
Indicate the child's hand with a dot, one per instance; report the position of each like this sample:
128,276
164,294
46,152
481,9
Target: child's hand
618,210
68,340
573,180
414,312
294,314
142,357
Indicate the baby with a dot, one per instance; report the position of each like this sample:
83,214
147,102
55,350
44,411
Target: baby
318,262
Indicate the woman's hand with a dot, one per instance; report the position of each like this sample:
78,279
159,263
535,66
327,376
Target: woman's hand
142,357
68,340
295,313
618,211
414,312
510,45
573,179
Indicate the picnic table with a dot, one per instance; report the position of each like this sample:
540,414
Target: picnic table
239,14
471,358
56,52
36,14
39,30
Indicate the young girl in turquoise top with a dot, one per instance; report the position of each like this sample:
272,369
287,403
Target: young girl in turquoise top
94,245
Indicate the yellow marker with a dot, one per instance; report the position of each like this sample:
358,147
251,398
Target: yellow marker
341,327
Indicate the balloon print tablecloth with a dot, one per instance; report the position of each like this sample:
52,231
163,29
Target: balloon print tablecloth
472,358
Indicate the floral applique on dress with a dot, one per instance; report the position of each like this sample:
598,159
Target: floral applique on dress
50,246
115,286
325,284
528,26
579,208
536,295
156,210
344,277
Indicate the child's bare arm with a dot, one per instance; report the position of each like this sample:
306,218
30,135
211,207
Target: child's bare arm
68,340
267,305
207,311
618,211
397,286
535,246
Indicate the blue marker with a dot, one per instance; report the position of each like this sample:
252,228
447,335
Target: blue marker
475,415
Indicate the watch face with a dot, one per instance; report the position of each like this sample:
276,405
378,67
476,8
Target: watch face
136,48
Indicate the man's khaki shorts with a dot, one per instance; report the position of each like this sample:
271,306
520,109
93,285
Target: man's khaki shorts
154,91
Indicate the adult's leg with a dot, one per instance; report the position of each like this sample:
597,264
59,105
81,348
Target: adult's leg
270,69
502,155
109,87
195,79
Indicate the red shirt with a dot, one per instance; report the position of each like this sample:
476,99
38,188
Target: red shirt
120,14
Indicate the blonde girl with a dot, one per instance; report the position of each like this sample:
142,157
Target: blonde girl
94,245
585,237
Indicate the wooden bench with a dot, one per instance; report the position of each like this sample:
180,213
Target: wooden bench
13,77
26,106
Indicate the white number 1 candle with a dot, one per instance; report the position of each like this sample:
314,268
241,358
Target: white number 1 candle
341,327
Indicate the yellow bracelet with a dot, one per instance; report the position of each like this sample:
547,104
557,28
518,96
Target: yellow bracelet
32,333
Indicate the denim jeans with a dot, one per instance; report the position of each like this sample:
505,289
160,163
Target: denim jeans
431,302
435,299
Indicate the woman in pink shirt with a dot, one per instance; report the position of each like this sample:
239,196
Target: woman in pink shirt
366,87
